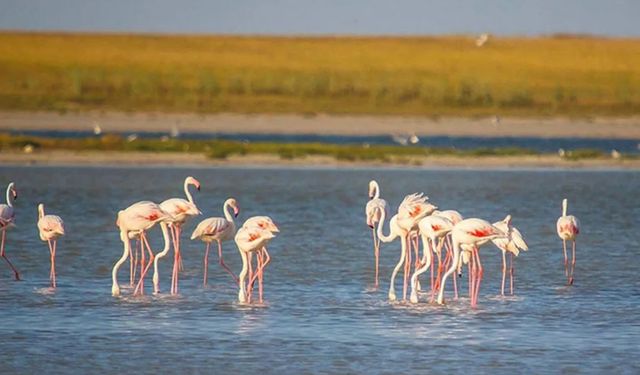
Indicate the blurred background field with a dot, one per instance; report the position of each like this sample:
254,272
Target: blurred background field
424,76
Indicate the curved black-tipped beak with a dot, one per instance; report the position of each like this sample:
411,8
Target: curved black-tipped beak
15,195
370,197
236,214
370,226
198,187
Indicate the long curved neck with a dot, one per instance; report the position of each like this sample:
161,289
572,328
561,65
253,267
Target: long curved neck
40,211
165,251
9,197
187,192
376,189
381,235
564,207
227,214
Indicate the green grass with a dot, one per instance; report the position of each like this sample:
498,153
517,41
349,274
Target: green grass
220,149
431,76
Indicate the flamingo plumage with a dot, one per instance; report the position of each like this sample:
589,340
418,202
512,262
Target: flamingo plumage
568,227
513,243
181,210
7,221
219,229
50,228
373,210
252,240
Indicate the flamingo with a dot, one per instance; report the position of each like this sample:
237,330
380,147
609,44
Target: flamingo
262,222
413,208
7,221
50,227
568,227
470,233
251,240
372,210
433,229
181,210
512,244
217,229
134,221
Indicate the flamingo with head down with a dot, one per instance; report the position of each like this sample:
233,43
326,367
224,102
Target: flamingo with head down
181,210
470,233
7,221
513,243
373,210
133,222
217,229
568,227
50,227
252,239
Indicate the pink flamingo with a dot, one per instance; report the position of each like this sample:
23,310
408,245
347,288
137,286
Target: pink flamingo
50,227
568,227
413,208
7,221
134,221
265,223
217,229
181,210
372,210
252,240
433,230
513,243
470,234
455,217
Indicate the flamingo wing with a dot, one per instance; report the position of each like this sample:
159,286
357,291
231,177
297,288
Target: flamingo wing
211,227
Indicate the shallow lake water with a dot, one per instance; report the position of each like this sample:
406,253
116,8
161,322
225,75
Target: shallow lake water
322,314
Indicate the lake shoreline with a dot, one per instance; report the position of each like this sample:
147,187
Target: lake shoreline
322,124
174,159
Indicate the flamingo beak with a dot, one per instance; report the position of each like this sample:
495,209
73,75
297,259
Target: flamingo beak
236,211
15,194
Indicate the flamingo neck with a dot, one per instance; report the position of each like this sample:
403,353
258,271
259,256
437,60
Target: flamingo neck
40,211
187,192
381,235
9,197
376,190
227,214
564,207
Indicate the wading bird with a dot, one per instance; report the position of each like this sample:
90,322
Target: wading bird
513,243
133,222
217,229
252,240
373,211
50,227
568,228
470,234
7,221
181,210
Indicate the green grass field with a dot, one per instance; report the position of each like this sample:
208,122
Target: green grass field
575,76
220,149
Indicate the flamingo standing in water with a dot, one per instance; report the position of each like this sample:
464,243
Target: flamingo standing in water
433,230
372,210
413,208
217,229
7,220
134,221
568,227
50,227
470,233
513,243
263,258
251,240
181,210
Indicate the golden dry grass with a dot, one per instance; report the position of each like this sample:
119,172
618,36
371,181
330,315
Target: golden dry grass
357,75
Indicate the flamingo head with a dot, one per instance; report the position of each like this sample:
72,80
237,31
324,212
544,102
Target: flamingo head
234,204
268,224
373,187
192,181
507,220
41,210
13,191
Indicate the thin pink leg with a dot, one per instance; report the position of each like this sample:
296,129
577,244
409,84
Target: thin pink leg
136,252
251,278
206,263
433,286
53,264
221,261
479,276
450,254
140,286
566,261
504,271
511,273
2,253
573,262
407,270
376,254
174,273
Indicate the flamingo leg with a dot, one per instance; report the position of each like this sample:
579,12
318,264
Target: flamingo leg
260,258
470,277
142,265
566,261
176,259
376,254
504,270
53,264
432,245
441,264
407,270
450,251
134,252
480,273
221,261
140,285
205,264
573,262
251,278
2,253
511,273
425,263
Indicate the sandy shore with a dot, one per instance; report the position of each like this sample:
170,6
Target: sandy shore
621,128
97,158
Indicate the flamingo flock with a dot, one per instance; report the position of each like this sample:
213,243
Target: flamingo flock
448,240
460,239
